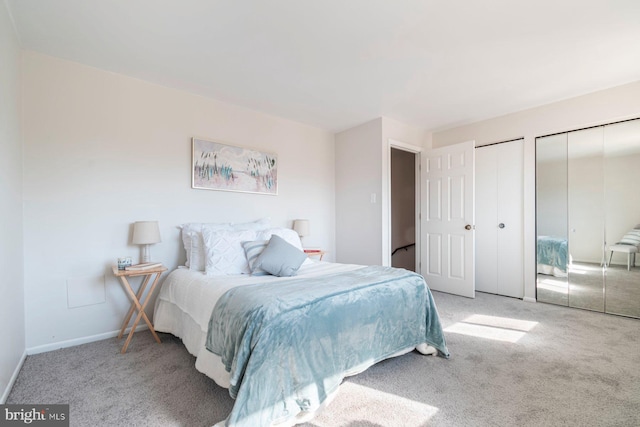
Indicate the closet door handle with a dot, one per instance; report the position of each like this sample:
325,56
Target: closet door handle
501,225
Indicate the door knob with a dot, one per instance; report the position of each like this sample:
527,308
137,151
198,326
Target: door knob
501,225
467,227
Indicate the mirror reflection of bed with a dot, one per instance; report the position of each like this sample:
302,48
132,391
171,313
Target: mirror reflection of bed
587,206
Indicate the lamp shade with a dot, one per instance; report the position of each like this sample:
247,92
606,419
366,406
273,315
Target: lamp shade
146,233
301,226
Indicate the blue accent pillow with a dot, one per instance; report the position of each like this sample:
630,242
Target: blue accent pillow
280,258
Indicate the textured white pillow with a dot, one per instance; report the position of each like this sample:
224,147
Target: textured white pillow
194,245
289,236
225,254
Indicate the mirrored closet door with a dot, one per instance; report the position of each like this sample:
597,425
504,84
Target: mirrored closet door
588,218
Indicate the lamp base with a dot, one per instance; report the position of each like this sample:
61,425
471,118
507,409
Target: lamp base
146,253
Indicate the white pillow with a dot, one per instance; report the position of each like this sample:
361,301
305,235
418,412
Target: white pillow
225,254
289,236
194,246
192,241
260,224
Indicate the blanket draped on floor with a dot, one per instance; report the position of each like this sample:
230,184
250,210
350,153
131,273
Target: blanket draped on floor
288,344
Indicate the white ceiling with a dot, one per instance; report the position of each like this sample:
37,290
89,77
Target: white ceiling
336,64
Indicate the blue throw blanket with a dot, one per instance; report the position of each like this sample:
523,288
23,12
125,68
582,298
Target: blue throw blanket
552,251
288,344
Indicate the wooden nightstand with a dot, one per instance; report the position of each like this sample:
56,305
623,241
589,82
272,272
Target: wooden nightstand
315,252
136,303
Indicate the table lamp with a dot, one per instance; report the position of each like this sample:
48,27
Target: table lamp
146,233
301,226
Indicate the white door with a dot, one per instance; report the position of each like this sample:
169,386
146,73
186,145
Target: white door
511,219
499,219
486,219
447,219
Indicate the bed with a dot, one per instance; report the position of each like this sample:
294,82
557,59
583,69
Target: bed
283,345
552,256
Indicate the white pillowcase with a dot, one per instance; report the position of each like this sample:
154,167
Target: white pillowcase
225,254
194,245
289,236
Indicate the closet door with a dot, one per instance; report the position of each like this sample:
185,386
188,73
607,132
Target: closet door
510,219
592,212
622,216
586,216
486,219
552,258
499,219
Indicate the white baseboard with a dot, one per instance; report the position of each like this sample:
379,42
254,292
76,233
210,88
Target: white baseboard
529,299
78,341
13,378
56,346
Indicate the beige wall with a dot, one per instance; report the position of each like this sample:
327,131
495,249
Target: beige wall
394,132
363,226
11,239
103,150
358,177
618,103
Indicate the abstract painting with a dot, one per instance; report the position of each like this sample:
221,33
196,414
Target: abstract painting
217,166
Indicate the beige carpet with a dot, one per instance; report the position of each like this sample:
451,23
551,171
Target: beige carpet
512,364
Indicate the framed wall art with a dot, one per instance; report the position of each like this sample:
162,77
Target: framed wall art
217,166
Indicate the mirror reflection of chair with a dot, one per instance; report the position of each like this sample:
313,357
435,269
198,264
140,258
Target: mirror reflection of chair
629,244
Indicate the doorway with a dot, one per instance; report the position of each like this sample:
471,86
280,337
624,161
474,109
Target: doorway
404,208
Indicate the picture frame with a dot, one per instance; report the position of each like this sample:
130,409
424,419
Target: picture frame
224,167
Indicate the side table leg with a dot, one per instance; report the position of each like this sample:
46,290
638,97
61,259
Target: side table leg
133,305
142,314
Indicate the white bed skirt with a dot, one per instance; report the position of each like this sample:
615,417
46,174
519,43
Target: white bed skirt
551,270
171,319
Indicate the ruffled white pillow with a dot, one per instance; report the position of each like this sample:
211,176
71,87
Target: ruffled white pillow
225,254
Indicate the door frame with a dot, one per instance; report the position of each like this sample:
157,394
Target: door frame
386,232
